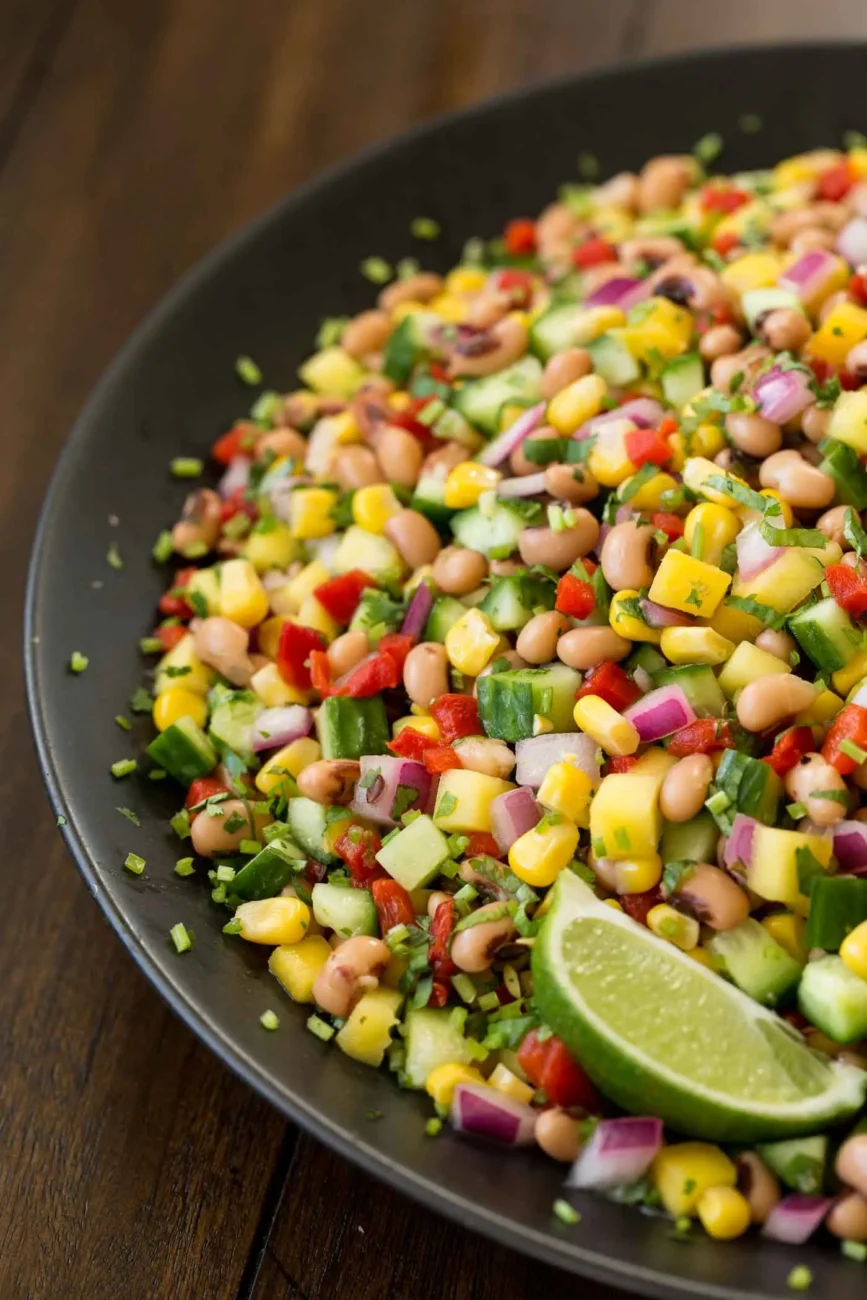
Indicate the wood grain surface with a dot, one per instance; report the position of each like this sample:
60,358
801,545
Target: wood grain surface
134,135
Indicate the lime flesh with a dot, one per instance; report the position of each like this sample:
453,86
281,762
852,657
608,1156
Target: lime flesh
662,1035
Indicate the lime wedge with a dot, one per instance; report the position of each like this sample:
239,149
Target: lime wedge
662,1035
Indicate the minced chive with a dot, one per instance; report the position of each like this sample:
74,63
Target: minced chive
225,873
796,811
697,542
266,406
123,767
78,662
331,331
800,1278
853,751
434,1126
247,371
180,937
489,1002
320,1028
269,1020
565,1212
718,802
431,412
61,820
180,824
708,148
588,166
233,926
856,1250
249,847
464,987
130,816
184,867
122,722
424,228
134,863
157,774
113,556
750,123
186,467
376,270
163,547
150,645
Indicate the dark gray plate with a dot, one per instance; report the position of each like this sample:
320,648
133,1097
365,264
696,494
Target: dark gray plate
171,390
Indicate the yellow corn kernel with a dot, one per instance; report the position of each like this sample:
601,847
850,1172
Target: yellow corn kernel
708,529
451,308
539,855
312,614
464,281
845,678
667,923
627,625
637,875
707,440
858,162
243,599
273,920
269,635
576,403
441,1082
510,1085
724,1213
273,691
649,495
608,728
176,702
295,966
310,512
466,483
567,789
682,1173
657,328
613,904
470,642
695,645
373,506
702,956
625,821
684,583
608,461
825,707
853,950
612,223
790,932
752,271
197,677
288,761
427,726
272,548
406,309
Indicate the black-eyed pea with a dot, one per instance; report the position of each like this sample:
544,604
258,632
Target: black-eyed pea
415,537
282,442
199,524
222,834
585,647
663,181
779,644
486,755
367,332
507,343
413,288
357,467
473,950
753,434
757,1184
785,329
685,786
222,644
727,368
354,968
814,422
399,454
346,652
559,1135
458,570
832,522
819,787
712,897
560,548
537,640
719,341
330,780
802,485
851,1166
812,237
563,369
770,700
625,556
426,673
847,1218
572,483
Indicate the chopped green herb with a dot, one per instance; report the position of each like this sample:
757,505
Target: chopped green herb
113,556
404,797
708,148
249,847
424,228
129,815
247,371
184,867
853,751
809,867
123,767
796,811
633,485
78,662
269,1020
856,1250
320,1028
748,605
186,467
750,123
122,722
150,645
588,166
233,926
745,496
854,140
181,937
447,804
133,862
141,701
163,547
331,331
265,408
225,873
376,270
800,1278
792,536
674,874
61,820
565,1212
180,824
694,597
406,267
172,671
434,1126
854,533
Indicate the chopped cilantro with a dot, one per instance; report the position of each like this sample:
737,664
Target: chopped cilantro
141,701
113,556
748,605
565,1212
129,815
674,874
800,1278
856,1250
173,671
447,804
792,536
404,797
854,533
750,123
745,496
588,166
694,597
331,331
633,485
708,148
163,547
247,371
122,722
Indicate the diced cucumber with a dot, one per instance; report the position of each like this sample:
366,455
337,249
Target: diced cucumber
307,823
495,534
565,451
756,302
231,726
752,786
349,728
613,361
429,500
409,344
375,555
699,685
344,909
827,634
799,1163
834,998
837,905
682,379
691,841
513,600
184,751
433,1040
376,613
453,427
480,400
509,701
841,463
445,613
416,854
266,874
648,658
756,962
566,325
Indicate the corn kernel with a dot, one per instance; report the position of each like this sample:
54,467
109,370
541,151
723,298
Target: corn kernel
695,645
425,725
451,308
176,702
650,493
295,966
373,506
684,583
628,625
273,920
853,950
845,678
470,642
290,760
275,548
538,856
724,1213
441,1082
310,513
464,281
567,789
637,875
708,529
466,483
243,599
790,932
608,461
615,734
268,635
576,403
703,957
510,1085
667,923
273,691
682,1173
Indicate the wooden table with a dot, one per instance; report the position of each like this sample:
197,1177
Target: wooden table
134,135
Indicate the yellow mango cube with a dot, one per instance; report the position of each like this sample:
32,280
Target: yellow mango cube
773,869
567,789
849,420
734,624
682,1173
310,512
654,762
470,642
656,326
373,506
273,691
177,702
825,707
745,665
845,678
752,271
465,281
288,761
367,1033
271,547
289,598
464,800
198,677
625,821
206,583
441,1082
843,327
684,583
295,966
789,579
695,645
331,370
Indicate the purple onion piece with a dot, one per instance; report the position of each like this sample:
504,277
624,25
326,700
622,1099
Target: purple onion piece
852,241
529,485
808,274
620,291
850,846
660,616
503,446
739,845
782,394
512,815
377,795
619,1152
660,713
484,1112
280,726
537,753
795,1218
754,554
237,475
418,612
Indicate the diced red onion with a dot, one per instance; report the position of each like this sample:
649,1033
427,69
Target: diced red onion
659,616
660,713
503,446
280,726
620,1151
753,552
530,485
280,495
486,1113
795,1218
537,753
850,847
622,291
644,412
624,514
386,773
739,845
808,275
852,241
782,394
236,476
512,815
418,612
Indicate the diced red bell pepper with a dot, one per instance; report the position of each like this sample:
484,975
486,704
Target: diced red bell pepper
849,379
848,587
237,503
520,236
858,288
237,442
172,603
703,736
358,848
789,748
440,758
378,673
668,523
517,284
456,716
409,743
204,787
339,596
481,844
398,645
638,905
439,994
850,724
724,242
575,597
593,252
408,419
549,1065
611,684
622,762
835,182
647,445
170,634
293,654
320,673
723,198
442,924
439,373
393,904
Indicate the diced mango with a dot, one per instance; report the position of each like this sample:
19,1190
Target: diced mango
272,690
752,271
656,326
735,624
845,678
790,932
182,666
843,327
332,371
787,580
268,634
289,598
608,461
295,966
683,1172
684,583
773,869
312,614
745,665
273,547
290,760
367,1033
625,821
825,707
310,512
464,800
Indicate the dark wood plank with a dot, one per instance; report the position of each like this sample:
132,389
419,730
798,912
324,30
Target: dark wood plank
670,25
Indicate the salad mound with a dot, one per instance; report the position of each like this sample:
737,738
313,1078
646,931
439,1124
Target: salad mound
515,676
